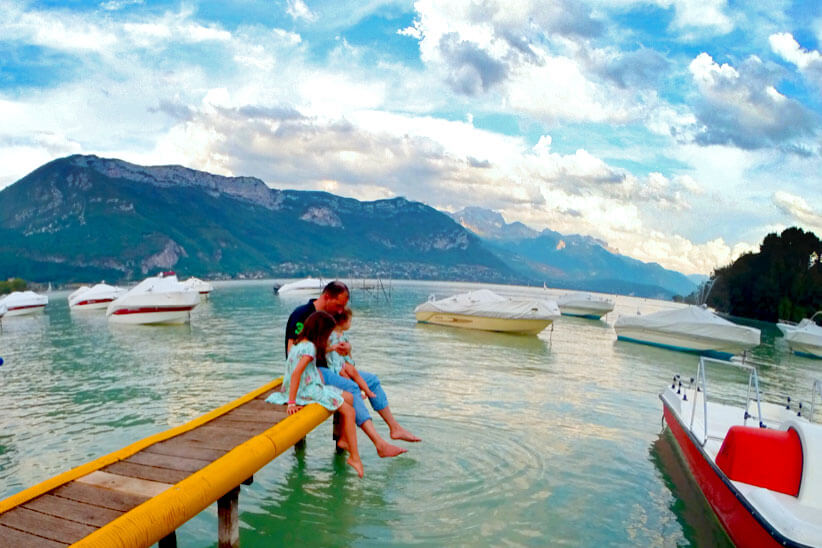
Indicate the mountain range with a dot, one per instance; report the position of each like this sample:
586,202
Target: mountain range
83,218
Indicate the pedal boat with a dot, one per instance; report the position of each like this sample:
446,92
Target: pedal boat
759,465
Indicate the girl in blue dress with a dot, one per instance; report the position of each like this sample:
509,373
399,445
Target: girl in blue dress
302,383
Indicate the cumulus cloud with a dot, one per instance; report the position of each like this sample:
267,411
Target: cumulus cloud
298,9
798,210
809,62
744,108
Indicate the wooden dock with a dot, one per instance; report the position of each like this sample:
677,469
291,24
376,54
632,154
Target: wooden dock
141,494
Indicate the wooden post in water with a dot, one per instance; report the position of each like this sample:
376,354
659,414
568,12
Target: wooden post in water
168,541
228,528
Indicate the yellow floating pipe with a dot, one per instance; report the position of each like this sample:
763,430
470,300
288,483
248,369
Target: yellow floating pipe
84,469
159,516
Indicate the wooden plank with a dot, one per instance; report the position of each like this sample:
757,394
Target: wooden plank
260,405
272,417
72,510
50,527
168,461
141,471
19,539
98,496
180,448
264,395
215,438
245,427
214,430
116,482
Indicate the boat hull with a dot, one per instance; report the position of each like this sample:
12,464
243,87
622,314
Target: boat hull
714,348
738,519
807,351
582,313
148,315
483,323
25,310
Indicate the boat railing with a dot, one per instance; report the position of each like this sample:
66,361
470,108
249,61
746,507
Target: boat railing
702,387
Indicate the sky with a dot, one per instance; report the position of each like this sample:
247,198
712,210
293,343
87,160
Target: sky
678,131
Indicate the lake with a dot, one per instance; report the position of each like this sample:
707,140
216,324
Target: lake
553,439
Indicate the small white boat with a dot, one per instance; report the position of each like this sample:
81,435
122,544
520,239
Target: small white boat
584,305
806,340
762,479
157,300
692,329
307,287
198,285
19,303
487,311
94,298
3,310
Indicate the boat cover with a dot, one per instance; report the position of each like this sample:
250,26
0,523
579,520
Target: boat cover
99,291
488,304
198,285
694,321
810,334
583,299
17,299
307,284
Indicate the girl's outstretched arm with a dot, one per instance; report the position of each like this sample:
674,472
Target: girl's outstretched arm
296,376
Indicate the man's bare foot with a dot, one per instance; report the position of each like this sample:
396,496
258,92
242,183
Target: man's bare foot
385,450
357,465
341,444
401,433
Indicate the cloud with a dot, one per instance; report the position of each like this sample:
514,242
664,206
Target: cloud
472,70
297,9
798,210
743,107
809,62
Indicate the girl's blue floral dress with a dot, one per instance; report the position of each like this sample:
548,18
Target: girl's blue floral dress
335,361
312,389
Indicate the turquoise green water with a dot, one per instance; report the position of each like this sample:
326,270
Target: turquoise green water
528,441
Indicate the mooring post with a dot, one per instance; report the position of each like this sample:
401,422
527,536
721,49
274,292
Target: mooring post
228,528
168,541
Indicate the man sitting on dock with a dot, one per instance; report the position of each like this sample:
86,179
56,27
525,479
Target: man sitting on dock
333,300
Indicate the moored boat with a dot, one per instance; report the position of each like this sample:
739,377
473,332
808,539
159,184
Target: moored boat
19,303
3,310
94,298
487,311
584,305
692,329
759,465
806,340
306,287
156,300
196,284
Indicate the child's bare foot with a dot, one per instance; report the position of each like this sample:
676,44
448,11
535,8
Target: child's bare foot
401,433
357,465
386,450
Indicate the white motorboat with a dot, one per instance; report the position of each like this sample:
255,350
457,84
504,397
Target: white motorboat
787,327
19,303
487,311
157,300
198,285
307,287
584,305
3,310
759,465
692,329
806,340
94,298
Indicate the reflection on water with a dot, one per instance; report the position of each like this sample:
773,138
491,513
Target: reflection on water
529,440
699,524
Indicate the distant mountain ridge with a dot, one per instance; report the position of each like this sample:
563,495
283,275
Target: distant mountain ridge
570,261
83,218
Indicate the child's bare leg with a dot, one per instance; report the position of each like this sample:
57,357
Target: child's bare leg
384,449
350,434
397,432
342,442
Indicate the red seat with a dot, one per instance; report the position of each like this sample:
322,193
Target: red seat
763,457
